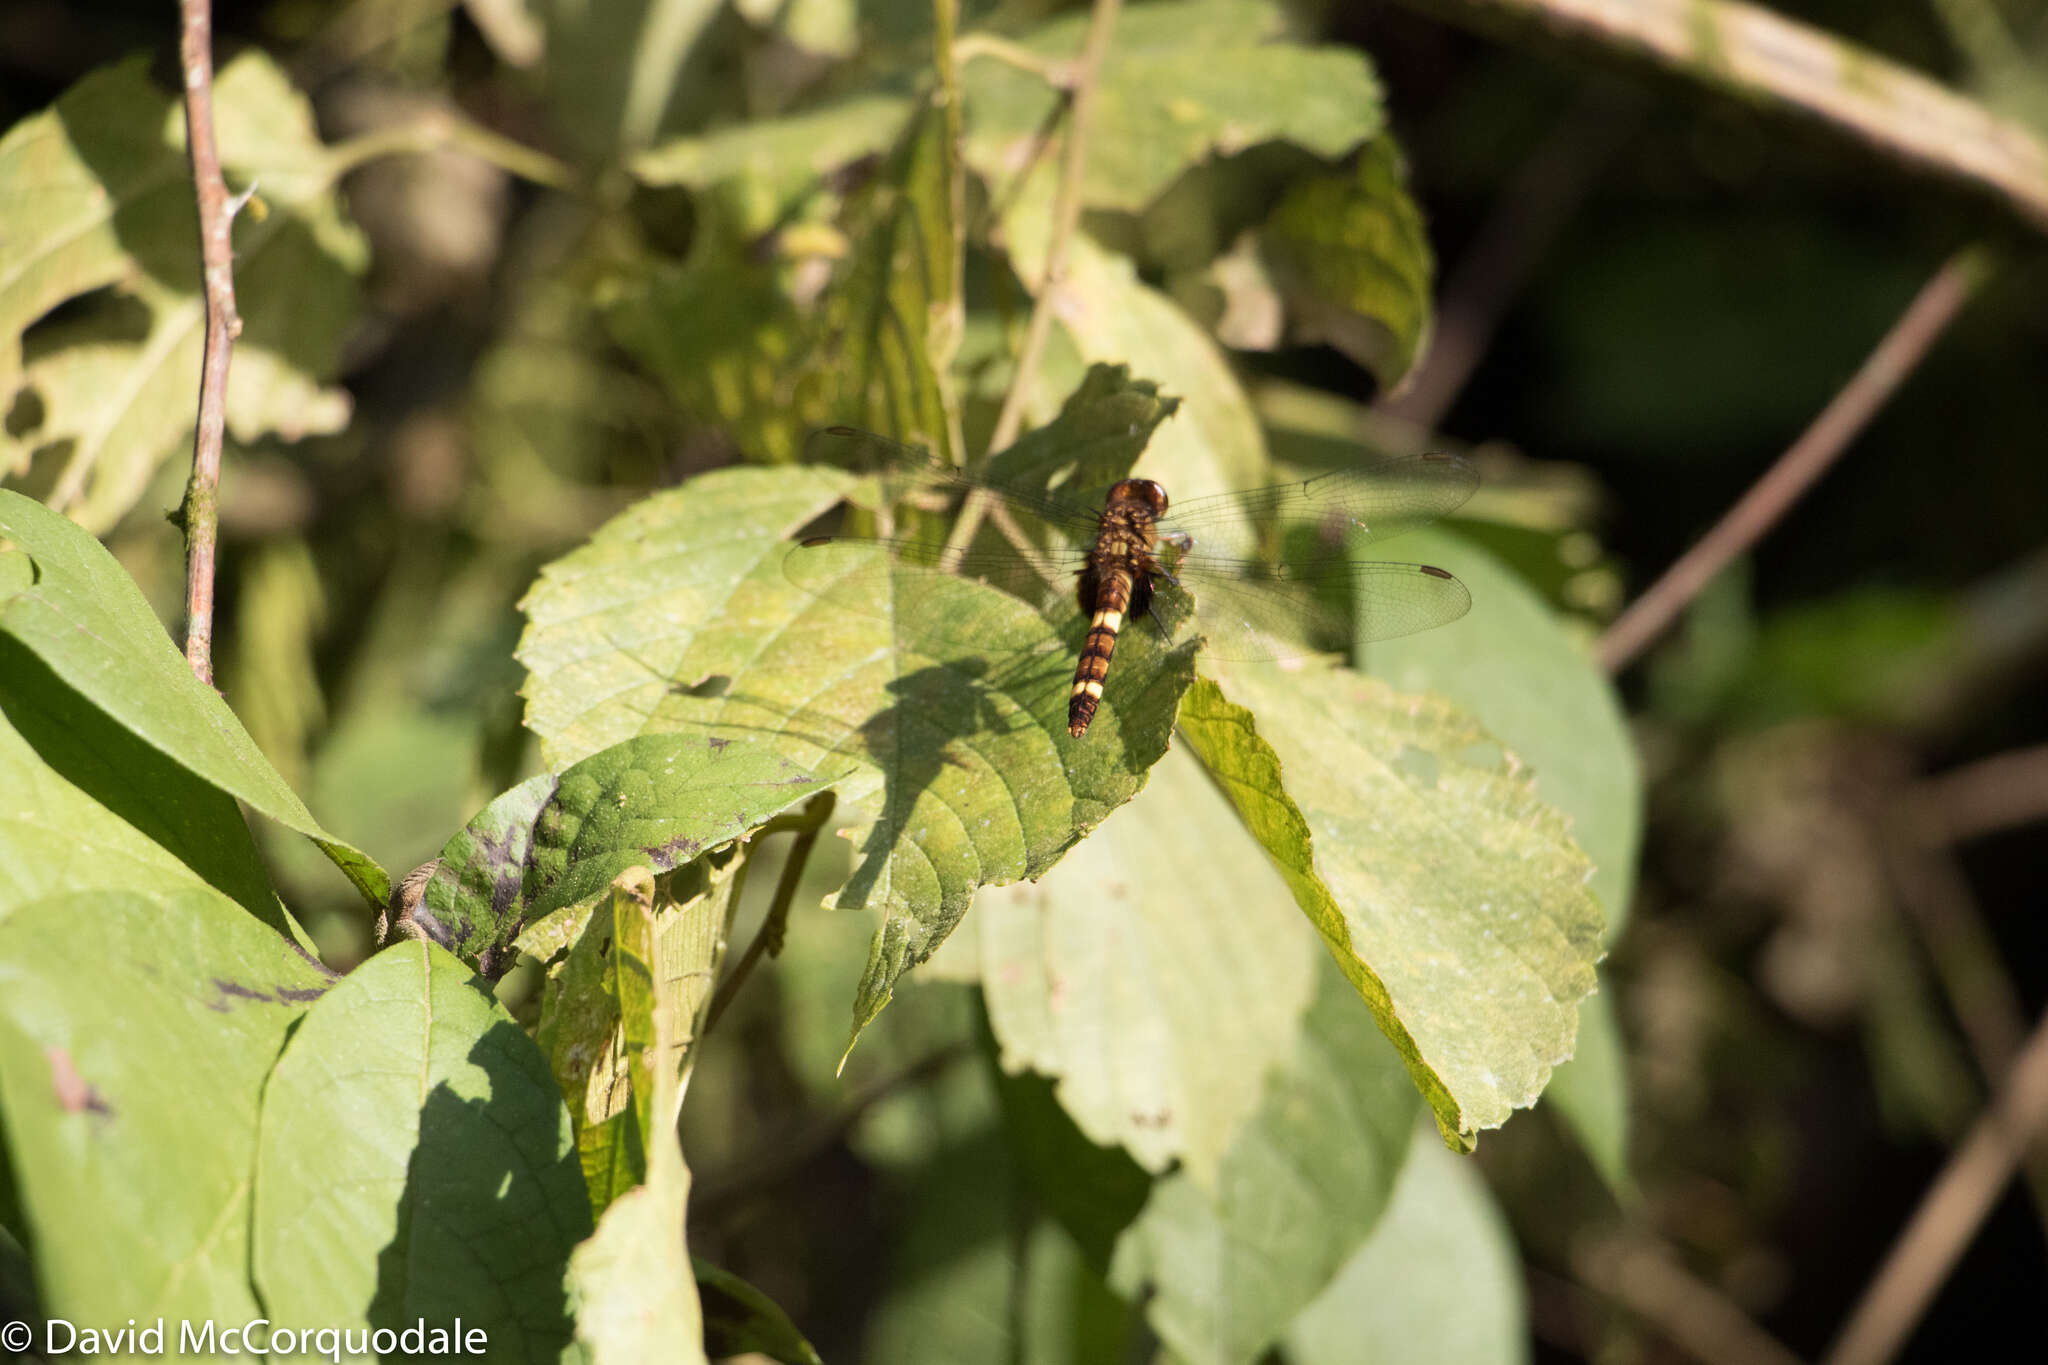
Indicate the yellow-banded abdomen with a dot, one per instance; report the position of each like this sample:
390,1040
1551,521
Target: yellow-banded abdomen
1115,586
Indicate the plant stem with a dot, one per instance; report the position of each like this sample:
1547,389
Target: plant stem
1756,54
768,938
444,130
1767,500
1066,213
1950,1214
200,513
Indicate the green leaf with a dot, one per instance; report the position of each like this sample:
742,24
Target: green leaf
614,71
1156,973
777,161
581,1033
1554,707
661,599
1557,712
1452,898
1590,1092
135,1035
97,193
632,1284
739,1318
656,800
883,340
760,348
1350,251
86,620
939,702
1216,445
414,1160
1438,1283
1181,82
827,27
1094,1190
98,808
1302,1186
975,1277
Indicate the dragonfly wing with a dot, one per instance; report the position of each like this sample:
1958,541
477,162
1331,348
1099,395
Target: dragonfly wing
1312,608
907,582
1355,506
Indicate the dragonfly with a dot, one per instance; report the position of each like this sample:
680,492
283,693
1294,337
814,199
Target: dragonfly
1267,573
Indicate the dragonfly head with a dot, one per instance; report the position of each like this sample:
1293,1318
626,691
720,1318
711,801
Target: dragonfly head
1144,492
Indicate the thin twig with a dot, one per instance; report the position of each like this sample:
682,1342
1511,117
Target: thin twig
1950,1214
1989,796
1051,70
200,513
1937,902
1066,213
768,938
1846,414
1645,1276
1524,220
1760,55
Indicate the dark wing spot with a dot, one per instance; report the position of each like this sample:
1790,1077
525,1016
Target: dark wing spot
1434,572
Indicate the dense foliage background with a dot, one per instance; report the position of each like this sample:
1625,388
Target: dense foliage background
511,268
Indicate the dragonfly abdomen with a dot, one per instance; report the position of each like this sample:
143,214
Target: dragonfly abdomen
1112,600
1116,585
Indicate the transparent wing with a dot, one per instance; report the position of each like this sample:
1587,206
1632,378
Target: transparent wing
901,579
1311,607
1367,503
1263,574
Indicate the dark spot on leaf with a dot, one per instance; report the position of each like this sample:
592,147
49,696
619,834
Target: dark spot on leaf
676,851
1157,1118
241,992
717,744
73,1092
427,926
300,995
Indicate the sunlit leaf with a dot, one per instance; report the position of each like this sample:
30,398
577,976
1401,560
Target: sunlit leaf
657,800
1554,708
1156,973
93,806
1451,896
941,703
414,1161
1558,713
87,622
1181,82
779,159
1439,1282
132,1056
631,1282
1306,1180
96,192
1350,251
1113,317
862,332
